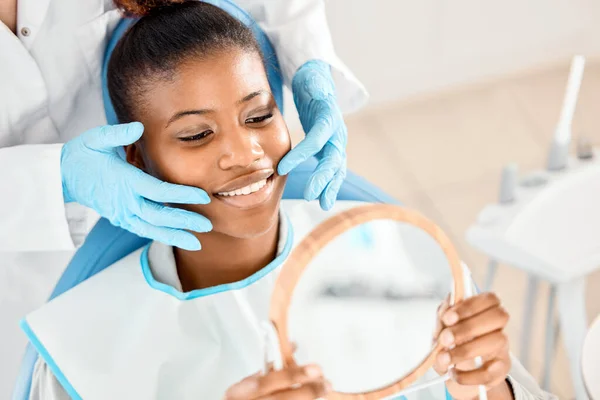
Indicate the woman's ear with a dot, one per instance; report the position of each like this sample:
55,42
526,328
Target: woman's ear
133,153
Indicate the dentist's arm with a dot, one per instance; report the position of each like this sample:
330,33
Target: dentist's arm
299,32
38,179
32,210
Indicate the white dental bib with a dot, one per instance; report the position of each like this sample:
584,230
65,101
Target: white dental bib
123,335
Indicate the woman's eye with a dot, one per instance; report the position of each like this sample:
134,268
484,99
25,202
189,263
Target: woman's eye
257,120
199,136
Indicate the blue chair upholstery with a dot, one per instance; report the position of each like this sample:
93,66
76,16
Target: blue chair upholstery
106,244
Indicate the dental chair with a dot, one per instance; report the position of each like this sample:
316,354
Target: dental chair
106,244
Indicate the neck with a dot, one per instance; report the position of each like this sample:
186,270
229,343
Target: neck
225,259
8,14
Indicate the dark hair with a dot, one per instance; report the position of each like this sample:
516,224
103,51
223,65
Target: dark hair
167,34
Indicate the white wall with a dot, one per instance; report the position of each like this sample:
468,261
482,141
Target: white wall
403,47
400,48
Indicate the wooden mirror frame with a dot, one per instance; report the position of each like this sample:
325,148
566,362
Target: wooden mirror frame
316,240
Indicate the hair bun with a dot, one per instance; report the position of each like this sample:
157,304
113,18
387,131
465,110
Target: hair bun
140,8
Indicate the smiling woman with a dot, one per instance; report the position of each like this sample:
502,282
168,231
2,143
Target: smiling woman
216,126
210,121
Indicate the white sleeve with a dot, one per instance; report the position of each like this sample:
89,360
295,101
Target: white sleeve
44,385
299,32
524,386
32,209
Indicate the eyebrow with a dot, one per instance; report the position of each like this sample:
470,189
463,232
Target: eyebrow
182,114
253,95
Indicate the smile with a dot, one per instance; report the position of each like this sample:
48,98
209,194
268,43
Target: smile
246,190
249,196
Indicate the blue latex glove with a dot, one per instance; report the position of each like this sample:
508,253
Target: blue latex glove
326,133
94,175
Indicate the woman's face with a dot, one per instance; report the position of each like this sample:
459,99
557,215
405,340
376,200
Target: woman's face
216,126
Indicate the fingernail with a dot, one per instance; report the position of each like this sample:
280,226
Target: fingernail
312,371
199,196
327,205
205,227
444,359
191,245
328,387
447,338
137,125
283,168
204,199
450,318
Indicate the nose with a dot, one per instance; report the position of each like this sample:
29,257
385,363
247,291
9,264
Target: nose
241,149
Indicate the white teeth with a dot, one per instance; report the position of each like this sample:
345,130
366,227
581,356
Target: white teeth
255,187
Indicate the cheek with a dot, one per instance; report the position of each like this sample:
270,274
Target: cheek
278,142
178,164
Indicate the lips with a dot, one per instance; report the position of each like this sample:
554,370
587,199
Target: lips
245,180
248,191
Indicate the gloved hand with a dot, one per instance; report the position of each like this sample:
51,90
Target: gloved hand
94,175
326,133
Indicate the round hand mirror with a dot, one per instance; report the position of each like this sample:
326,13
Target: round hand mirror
359,296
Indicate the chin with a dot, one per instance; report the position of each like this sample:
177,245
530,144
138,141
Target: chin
254,222
249,224
254,229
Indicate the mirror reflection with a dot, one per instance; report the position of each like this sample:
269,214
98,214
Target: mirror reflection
371,321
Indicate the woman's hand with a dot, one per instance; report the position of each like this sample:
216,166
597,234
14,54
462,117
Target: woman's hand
295,383
472,328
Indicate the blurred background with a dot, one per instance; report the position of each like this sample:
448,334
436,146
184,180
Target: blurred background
458,90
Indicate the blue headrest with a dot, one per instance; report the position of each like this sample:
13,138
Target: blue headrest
273,71
106,244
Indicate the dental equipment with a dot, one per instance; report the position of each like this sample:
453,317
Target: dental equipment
547,223
559,151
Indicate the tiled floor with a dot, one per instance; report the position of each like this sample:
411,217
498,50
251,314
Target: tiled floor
443,155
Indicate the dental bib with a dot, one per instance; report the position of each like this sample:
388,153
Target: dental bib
123,335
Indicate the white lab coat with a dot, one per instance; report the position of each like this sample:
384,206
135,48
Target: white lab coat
50,92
